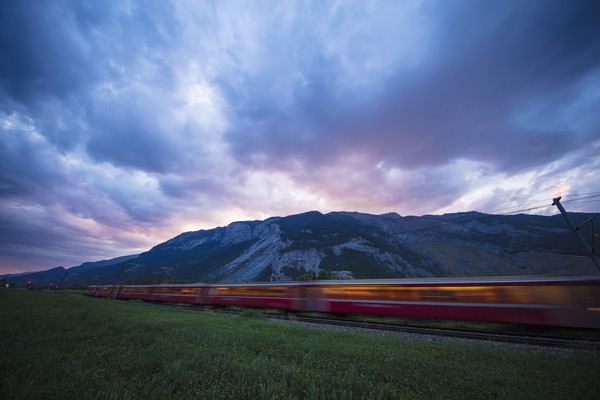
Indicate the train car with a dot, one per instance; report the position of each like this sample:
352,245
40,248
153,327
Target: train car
572,302
569,302
90,290
131,292
287,296
106,291
177,293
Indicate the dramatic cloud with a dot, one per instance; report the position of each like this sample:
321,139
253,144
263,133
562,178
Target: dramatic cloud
124,123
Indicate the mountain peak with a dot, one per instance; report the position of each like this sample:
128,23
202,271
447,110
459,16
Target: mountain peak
354,245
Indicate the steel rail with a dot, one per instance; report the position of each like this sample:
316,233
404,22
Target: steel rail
547,341
567,342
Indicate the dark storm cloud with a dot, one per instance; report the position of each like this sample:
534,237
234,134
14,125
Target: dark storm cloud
65,70
128,132
486,63
55,54
501,61
49,237
123,121
56,47
40,54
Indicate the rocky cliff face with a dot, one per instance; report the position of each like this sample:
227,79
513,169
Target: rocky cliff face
355,245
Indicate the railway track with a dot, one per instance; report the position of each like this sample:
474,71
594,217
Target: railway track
528,339
563,342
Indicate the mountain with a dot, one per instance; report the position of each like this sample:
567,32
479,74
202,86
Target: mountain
54,276
356,245
99,264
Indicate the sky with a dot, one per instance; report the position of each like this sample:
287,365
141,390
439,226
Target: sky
125,123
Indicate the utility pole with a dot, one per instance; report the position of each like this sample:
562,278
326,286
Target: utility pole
176,268
117,280
63,278
575,229
100,281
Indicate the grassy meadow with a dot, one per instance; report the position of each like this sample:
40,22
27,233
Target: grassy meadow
61,346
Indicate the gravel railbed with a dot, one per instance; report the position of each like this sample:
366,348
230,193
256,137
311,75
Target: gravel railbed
561,351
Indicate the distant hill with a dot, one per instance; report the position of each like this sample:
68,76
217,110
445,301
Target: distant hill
352,245
99,264
74,275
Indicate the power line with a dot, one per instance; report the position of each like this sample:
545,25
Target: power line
519,205
589,249
586,194
516,209
524,210
482,216
581,201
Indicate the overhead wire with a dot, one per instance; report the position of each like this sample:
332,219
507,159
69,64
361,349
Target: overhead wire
523,205
533,205
571,242
578,199
586,194
582,201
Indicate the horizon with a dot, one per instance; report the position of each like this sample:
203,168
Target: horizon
275,216
123,124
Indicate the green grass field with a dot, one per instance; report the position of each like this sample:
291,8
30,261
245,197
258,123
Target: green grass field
60,346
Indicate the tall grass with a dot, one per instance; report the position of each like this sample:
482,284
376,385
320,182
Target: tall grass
56,346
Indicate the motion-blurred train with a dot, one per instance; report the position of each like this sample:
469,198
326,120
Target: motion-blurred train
567,302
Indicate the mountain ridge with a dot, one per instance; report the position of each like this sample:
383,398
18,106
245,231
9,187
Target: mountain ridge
353,245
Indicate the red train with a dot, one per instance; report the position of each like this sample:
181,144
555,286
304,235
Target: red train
569,302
